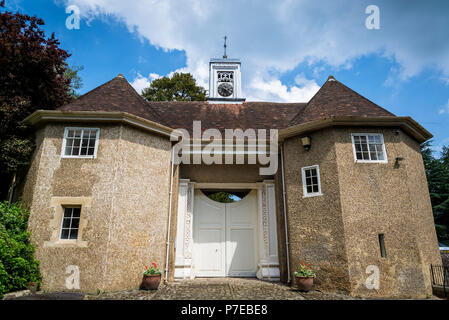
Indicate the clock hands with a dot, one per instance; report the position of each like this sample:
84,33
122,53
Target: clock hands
225,89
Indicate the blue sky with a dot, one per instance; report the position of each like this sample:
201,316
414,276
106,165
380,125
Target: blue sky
288,48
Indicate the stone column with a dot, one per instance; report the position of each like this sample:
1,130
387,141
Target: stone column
184,240
268,266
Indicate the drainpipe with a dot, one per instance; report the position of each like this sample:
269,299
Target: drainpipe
169,216
11,188
285,212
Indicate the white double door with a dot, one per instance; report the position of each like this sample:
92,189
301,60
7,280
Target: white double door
225,237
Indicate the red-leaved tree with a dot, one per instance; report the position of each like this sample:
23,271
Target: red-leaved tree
32,68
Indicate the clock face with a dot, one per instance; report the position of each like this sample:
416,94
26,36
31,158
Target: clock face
225,89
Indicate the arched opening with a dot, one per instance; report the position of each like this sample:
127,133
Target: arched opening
225,196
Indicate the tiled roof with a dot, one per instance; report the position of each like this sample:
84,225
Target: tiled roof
256,115
115,95
333,99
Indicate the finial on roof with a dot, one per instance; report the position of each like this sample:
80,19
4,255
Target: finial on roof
120,76
331,78
224,55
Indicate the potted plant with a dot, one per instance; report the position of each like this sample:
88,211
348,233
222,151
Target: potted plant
32,286
304,277
151,278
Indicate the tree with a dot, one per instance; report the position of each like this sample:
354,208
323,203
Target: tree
437,173
33,76
223,197
180,87
441,208
76,82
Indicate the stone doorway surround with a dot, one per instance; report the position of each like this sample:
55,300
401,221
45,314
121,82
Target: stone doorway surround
268,258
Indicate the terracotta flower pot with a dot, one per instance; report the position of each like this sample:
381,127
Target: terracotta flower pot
304,283
151,282
32,286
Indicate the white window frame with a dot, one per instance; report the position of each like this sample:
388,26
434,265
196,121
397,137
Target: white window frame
70,228
304,184
66,129
369,134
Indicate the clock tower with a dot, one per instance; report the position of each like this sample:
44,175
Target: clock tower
225,80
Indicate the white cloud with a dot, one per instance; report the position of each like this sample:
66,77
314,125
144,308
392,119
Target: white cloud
142,60
272,37
274,90
141,82
199,69
438,149
445,109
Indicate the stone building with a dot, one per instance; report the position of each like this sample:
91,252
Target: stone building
347,191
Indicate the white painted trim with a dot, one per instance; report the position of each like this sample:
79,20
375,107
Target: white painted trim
369,134
225,102
64,142
183,266
272,223
225,65
64,207
268,266
208,185
305,194
268,262
169,215
221,147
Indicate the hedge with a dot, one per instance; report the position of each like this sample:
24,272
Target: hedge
17,264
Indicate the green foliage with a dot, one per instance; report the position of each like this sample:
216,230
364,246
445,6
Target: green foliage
437,172
180,87
304,271
15,152
17,264
152,270
76,82
222,197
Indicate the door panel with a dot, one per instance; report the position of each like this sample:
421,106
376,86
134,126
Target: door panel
210,255
209,236
241,253
225,237
241,245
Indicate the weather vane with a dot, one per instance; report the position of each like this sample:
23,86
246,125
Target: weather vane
225,56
